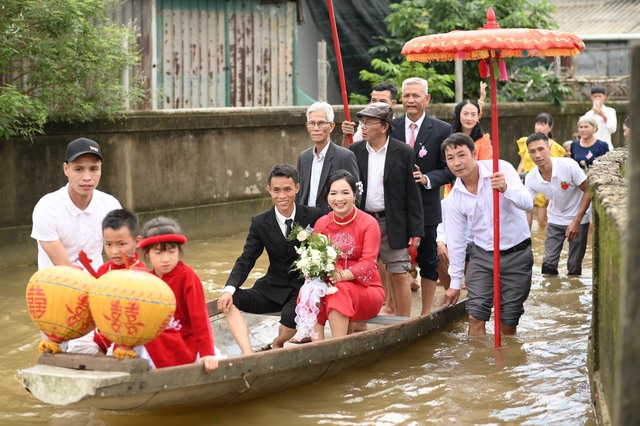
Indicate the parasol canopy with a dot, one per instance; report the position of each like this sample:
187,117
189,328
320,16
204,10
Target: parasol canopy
492,43
476,44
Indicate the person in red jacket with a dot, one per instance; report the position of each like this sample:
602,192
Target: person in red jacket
188,337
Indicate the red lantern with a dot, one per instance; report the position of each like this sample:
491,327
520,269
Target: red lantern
131,307
58,304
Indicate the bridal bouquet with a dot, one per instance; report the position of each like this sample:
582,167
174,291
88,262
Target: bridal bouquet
316,260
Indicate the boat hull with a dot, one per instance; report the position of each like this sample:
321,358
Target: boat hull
237,378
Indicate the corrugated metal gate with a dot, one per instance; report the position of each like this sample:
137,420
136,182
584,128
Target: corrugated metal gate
216,53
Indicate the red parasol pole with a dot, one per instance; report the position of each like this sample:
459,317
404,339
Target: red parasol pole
496,204
336,46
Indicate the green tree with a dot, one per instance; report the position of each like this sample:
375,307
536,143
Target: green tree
62,60
414,18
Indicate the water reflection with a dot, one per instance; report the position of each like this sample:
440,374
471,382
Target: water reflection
538,377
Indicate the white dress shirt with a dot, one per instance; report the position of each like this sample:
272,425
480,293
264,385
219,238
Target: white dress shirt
407,127
375,178
316,171
281,219
467,212
563,203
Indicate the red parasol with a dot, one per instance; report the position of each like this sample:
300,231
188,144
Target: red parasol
493,43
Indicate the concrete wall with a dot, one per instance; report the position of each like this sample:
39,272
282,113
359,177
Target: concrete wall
197,162
614,348
609,189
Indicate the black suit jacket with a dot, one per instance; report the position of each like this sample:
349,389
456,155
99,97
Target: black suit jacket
430,136
403,208
265,233
337,158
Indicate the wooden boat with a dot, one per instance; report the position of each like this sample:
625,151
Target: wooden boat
106,383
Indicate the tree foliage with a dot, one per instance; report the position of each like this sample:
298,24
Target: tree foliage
414,18
61,60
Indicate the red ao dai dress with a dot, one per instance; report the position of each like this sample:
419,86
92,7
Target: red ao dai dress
358,242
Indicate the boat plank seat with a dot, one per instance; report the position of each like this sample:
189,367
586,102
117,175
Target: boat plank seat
94,362
384,320
378,320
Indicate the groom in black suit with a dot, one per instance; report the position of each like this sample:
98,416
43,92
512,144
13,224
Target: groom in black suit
425,135
278,289
391,196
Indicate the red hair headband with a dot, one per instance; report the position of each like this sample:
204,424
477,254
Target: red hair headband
162,238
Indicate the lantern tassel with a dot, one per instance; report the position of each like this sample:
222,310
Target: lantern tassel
482,68
122,352
503,70
48,346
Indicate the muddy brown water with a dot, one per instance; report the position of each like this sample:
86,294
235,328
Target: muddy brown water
537,378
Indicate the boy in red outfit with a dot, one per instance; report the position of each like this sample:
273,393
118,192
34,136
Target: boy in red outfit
121,235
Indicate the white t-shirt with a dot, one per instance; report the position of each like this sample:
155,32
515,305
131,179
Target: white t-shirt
55,217
563,203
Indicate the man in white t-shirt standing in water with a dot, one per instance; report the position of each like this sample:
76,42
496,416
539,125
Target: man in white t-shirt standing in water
70,219
565,184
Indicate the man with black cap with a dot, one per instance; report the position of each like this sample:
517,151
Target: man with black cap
70,219
391,196
605,116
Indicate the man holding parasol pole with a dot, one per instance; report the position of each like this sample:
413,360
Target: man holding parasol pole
491,44
469,207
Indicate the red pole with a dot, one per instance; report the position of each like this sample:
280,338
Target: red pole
496,206
336,46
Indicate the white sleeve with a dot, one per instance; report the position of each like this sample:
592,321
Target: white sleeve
528,183
441,235
577,174
516,192
45,226
455,226
612,120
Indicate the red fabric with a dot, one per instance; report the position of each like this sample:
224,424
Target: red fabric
189,333
100,339
109,266
162,238
358,242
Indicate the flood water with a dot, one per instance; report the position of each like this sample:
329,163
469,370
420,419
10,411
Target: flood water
537,378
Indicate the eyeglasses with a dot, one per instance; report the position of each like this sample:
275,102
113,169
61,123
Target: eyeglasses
469,114
320,124
364,123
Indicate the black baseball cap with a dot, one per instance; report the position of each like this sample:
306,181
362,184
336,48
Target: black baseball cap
82,146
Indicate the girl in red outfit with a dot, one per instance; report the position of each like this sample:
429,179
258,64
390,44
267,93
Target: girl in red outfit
188,337
357,237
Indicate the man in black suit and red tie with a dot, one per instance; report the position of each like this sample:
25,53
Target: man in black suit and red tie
391,196
277,291
425,135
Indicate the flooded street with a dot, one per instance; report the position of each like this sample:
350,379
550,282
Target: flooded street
537,378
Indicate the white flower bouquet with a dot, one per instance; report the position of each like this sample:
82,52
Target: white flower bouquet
316,256
316,260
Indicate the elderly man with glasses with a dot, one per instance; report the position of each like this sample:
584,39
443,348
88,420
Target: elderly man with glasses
315,164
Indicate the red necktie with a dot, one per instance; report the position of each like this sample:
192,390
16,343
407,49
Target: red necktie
412,137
